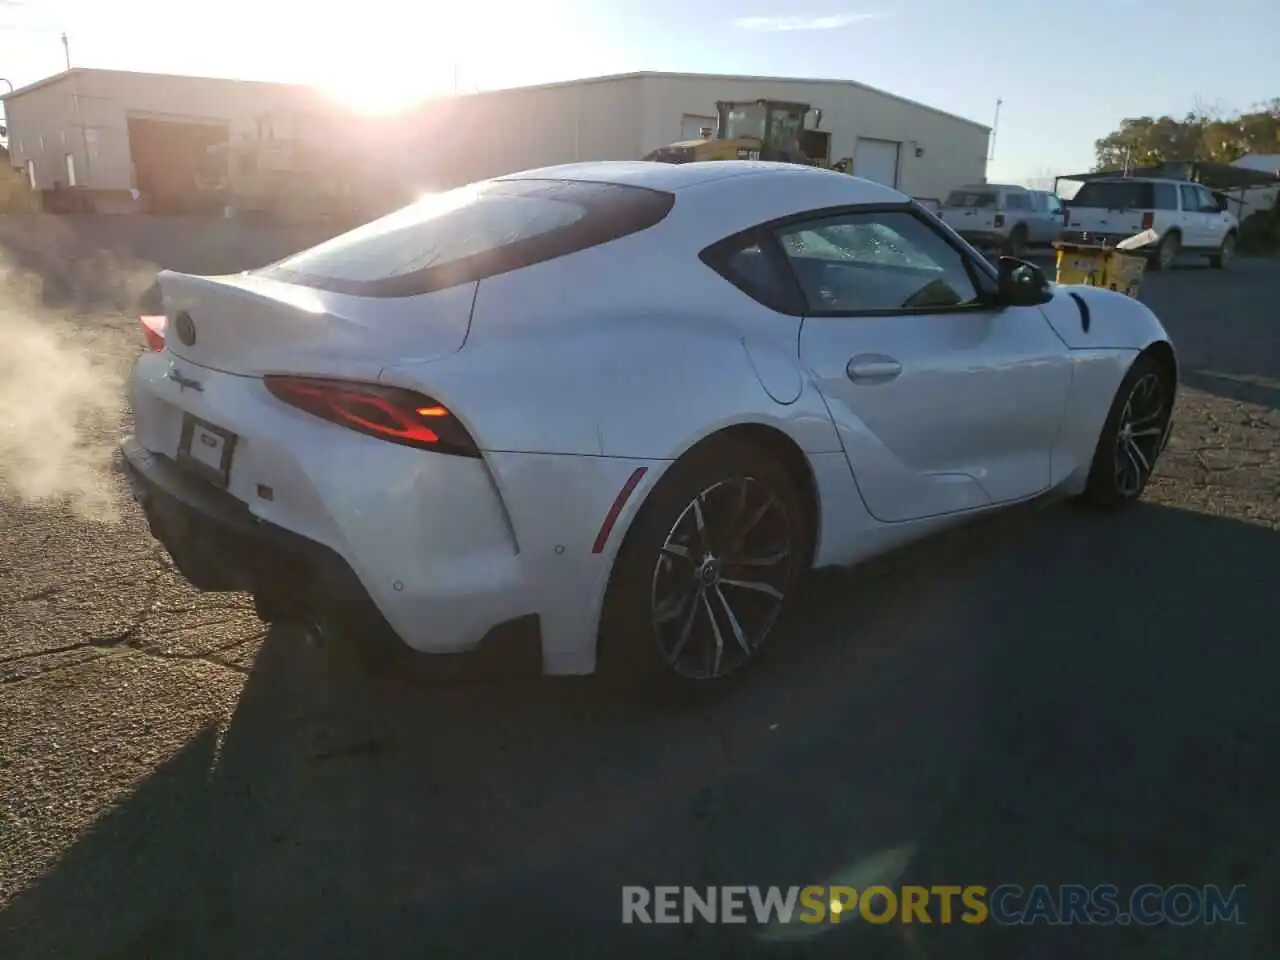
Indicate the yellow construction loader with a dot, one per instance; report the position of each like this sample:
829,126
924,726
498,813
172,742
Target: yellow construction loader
757,130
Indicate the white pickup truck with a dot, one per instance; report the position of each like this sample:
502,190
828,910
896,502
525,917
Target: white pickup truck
1183,217
1003,216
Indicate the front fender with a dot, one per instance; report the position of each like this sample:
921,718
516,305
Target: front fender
1111,320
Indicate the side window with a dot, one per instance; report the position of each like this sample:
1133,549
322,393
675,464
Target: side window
1190,202
1164,196
756,274
1207,203
1016,201
876,263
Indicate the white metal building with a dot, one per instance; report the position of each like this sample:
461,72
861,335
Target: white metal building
922,151
106,132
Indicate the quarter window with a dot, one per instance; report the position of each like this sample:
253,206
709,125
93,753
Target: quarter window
876,263
758,275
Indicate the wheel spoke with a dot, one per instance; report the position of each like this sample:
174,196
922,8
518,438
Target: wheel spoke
701,523
759,586
1137,470
770,559
738,633
1147,432
715,630
1136,451
672,608
677,550
687,630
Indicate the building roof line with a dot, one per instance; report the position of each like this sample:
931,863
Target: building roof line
607,78
77,71
751,78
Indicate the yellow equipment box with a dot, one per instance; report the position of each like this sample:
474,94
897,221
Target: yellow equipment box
1097,266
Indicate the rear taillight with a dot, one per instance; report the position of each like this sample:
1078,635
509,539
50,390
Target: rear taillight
153,330
388,413
999,219
1066,216
1148,221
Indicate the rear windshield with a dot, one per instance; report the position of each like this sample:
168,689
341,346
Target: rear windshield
972,198
470,233
1115,195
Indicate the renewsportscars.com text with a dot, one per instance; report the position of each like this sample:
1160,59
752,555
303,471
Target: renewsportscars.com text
1006,905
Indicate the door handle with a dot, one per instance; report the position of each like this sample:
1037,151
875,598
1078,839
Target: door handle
873,368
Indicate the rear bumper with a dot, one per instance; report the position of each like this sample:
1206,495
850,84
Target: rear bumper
1082,238
217,544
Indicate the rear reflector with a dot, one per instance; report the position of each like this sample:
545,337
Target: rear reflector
153,330
388,413
1148,221
619,502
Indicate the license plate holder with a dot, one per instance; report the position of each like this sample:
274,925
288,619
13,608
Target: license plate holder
206,450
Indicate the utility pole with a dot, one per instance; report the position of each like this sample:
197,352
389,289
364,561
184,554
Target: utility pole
66,49
995,127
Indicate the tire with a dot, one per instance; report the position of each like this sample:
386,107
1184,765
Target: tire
1226,253
657,634
1132,437
1167,252
1016,245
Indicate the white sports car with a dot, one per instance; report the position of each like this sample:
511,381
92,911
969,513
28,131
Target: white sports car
628,403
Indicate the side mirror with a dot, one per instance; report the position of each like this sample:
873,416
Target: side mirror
1022,284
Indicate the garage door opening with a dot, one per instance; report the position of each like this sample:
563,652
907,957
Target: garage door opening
168,157
877,160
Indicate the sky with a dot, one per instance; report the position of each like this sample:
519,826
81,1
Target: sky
1064,79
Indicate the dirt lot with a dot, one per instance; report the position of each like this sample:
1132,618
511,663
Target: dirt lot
1048,697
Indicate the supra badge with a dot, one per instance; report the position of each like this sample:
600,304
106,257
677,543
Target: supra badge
185,327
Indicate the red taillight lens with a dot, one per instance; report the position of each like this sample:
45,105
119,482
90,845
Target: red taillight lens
153,330
999,219
1148,221
388,413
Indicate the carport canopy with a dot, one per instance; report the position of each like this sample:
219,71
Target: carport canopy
1215,176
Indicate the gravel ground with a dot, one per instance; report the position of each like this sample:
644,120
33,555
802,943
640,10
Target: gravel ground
1045,697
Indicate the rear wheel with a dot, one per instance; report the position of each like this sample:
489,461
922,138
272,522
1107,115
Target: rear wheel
1016,245
1167,251
1226,253
1133,436
704,572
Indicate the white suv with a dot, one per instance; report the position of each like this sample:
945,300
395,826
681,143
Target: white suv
1183,217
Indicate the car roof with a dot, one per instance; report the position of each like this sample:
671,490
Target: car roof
677,177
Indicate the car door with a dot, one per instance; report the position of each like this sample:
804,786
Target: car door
1194,231
943,402
1215,220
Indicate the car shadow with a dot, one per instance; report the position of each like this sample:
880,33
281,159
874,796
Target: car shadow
1246,388
1045,697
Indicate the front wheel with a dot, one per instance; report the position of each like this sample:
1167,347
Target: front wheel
704,572
1226,253
1133,435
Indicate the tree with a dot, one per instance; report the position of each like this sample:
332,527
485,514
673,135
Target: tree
1205,133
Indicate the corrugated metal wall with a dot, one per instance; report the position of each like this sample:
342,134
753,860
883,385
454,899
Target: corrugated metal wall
953,151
